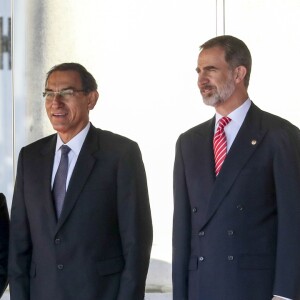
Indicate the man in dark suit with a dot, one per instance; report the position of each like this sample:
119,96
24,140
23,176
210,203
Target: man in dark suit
96,243
236,221
4,230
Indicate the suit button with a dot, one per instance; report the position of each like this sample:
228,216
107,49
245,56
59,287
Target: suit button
57,241
201,233
240,207
230,257
60,267
201,258
230,232
195,209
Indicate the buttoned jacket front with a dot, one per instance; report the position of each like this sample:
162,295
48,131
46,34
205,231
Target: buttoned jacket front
235,237
100,246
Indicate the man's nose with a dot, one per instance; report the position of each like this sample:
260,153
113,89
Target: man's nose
57,99
202,78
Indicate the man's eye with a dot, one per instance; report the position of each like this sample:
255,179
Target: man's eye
212,69
66,93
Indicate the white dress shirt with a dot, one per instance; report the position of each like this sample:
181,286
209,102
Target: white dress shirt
75,145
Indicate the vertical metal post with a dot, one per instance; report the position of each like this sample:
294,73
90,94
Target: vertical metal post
220,17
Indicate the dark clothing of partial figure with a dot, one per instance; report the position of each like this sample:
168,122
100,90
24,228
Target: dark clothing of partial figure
4,233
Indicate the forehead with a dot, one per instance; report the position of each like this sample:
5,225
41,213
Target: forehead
212,56
64,79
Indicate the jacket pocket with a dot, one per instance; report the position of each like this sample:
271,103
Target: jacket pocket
193,263
32,272
256,262
110,266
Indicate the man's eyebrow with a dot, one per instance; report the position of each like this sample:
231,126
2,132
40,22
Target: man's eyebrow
206,68
68,88
210,68
63,89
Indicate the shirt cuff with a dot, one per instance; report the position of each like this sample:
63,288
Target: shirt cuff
283,298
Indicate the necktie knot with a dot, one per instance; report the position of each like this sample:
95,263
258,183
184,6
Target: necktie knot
65,149
223,122
220,144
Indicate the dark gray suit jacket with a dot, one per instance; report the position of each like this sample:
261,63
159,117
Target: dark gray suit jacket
100,246
4,230
236,237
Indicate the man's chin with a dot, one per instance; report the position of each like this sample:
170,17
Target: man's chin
210,101
59,127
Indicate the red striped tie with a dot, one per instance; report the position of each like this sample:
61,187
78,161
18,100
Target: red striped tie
220,144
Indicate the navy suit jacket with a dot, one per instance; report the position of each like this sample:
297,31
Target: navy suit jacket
237,236
100,246
4,230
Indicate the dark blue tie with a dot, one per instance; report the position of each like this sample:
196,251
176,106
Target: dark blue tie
59,185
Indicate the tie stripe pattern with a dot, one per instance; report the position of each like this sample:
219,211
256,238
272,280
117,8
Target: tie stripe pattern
220,144
59,185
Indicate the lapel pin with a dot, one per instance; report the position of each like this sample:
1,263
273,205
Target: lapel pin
253,142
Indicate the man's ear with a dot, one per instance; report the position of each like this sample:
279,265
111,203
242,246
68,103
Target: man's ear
92,99
240,73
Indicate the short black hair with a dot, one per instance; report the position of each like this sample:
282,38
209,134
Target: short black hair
236,52
87,79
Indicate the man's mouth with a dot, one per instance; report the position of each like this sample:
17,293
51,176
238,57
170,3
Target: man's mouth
59,115
207,89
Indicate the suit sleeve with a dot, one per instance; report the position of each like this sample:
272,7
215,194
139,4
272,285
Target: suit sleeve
20,242
181,228
287,183
4,231
135,223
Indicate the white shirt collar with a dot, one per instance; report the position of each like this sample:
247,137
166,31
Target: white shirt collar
238,115
76,142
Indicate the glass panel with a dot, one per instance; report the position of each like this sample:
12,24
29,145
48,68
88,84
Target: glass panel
6,138
143,54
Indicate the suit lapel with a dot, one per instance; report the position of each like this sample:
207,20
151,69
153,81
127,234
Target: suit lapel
246,142
44,172
82,170
201,173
